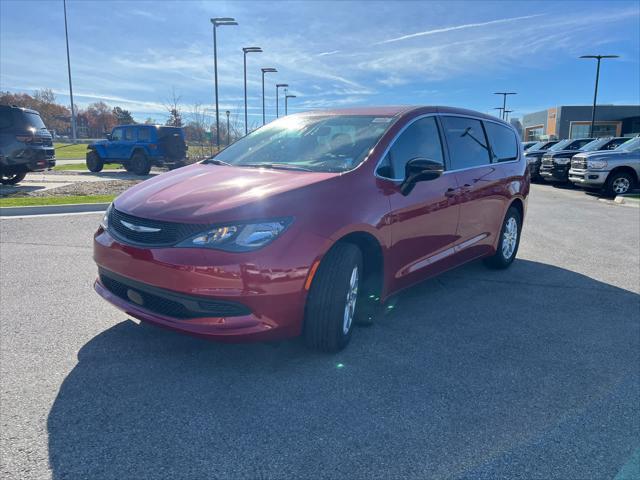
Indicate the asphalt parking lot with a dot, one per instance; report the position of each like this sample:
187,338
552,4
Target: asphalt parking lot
533,372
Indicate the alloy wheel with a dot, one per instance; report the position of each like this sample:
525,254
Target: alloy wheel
621,185
350,306
509,238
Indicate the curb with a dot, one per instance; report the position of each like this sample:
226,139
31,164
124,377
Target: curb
52,209
629,200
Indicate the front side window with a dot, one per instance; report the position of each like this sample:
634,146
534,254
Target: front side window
578,144
335,143
421,139
117,134
466,141
504,145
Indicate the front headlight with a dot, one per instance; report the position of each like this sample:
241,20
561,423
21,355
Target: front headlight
104,223
596,164
239,237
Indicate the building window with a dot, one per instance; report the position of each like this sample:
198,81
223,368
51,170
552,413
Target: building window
534,133
600,129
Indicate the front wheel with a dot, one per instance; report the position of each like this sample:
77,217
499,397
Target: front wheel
331,305
12,178
509,241
94,162
619,183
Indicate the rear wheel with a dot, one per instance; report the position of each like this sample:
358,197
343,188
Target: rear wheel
509,240
331,305
94,162
140,164
12,178
619,183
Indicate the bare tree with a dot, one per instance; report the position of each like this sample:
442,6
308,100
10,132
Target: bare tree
174,108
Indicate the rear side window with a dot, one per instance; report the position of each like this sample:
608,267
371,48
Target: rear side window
129,133
144,134
421,139
504,145
466,141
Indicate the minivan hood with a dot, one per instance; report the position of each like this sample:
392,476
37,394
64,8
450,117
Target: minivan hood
205,193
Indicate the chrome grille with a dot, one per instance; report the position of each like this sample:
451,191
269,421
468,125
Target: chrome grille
164,234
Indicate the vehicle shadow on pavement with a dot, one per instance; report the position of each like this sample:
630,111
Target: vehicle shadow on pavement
532,371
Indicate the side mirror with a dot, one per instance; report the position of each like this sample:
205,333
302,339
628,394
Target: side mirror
419,170
108,136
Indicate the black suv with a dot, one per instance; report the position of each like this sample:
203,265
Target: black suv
25,144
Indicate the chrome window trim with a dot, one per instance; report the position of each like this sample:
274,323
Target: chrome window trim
393,140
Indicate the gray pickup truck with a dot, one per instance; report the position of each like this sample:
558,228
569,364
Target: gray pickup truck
615,171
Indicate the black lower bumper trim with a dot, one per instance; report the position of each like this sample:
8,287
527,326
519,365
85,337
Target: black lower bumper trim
167,302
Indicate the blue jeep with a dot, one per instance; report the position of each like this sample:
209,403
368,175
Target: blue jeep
138,148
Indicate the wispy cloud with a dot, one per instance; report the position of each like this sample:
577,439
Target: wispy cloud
457,27
324,54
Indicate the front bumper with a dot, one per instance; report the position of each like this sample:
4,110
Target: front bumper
555,173
267,284
587,178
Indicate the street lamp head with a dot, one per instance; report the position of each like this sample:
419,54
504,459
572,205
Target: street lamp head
505,93
269,70
228,113
251,49
223,21
600,56
290,96
280,85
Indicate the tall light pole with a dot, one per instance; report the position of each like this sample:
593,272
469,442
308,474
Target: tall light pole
73,108
279,86
265,70
595,92
286,101
246,50
218,22
228,129
500,109
506,115
504,100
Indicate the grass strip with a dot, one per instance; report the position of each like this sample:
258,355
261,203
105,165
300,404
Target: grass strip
39,201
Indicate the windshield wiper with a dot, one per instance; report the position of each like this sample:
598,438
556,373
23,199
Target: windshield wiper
284,166
215,161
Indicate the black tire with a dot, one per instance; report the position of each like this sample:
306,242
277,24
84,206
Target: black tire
325,328
12,178
505,255
619,183
94,162
127,166
140,164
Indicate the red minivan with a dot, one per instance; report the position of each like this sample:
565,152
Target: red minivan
309,223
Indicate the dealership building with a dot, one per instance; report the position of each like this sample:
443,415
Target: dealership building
573,121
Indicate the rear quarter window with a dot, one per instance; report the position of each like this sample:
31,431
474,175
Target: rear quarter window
502,139
144,134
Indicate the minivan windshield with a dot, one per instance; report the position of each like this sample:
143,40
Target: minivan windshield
630,145
314,143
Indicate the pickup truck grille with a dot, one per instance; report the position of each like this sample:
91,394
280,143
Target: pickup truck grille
580,163
150,233
547,161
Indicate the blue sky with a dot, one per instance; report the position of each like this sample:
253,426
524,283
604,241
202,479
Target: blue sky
332,53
